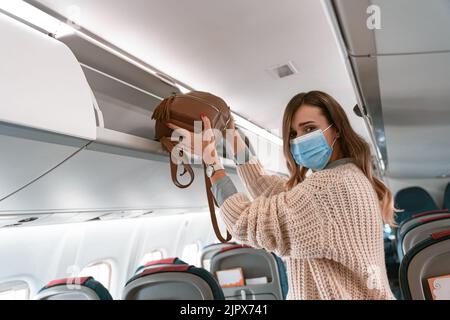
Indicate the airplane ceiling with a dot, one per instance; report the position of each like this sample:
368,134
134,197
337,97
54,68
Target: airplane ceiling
227,47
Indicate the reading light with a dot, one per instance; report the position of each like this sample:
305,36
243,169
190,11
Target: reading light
36,17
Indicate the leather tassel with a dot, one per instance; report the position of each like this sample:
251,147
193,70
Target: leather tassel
162,111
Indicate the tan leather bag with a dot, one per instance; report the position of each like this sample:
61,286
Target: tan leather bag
183,110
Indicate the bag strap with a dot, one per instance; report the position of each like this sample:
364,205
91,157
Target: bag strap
169,145
212,211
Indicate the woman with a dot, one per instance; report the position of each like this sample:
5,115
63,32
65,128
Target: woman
328,226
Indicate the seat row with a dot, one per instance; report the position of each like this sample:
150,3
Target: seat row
414,200
420,217
173,279
422,245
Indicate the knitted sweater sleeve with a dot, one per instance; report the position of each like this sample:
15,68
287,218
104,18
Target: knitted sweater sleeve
257,181
286,223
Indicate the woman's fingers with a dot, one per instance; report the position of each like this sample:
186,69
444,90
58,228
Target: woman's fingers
188,139
232,123
206,122
208,133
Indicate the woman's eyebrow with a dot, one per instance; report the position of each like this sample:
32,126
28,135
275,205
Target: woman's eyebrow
302,124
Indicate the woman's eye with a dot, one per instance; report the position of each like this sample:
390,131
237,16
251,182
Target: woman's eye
309,129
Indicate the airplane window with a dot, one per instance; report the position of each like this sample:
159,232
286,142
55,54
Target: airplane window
191,254
152,256
207,264
101,271
17,290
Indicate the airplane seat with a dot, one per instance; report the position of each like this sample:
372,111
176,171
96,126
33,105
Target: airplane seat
416,217
86,288
425,269
255,264
413,200
420,229
405,224
282,272
447,197
172,279
159,263
209,250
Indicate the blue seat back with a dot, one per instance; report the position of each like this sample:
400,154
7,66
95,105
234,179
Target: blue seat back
86,288
447,197
413,200
172,279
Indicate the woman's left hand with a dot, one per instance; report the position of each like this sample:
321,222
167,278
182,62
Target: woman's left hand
203,144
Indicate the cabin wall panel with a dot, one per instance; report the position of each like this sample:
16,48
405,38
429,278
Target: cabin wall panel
41,254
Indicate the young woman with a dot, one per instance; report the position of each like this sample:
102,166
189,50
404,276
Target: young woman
327,226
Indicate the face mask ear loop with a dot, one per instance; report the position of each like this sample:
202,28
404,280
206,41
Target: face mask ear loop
335,139
334,142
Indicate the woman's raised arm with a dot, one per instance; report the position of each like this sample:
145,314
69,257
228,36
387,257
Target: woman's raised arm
289,223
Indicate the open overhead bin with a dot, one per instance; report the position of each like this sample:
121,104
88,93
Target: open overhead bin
111,167
116,165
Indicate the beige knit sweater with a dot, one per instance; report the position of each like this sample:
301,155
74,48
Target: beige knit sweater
328,230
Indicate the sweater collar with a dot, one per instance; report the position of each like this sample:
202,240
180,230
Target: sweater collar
338,163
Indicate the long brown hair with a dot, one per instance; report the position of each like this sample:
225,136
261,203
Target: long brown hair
352,146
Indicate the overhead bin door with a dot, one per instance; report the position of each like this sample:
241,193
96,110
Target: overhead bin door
46,110
42,85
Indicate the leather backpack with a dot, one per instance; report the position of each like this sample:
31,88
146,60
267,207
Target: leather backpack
183,110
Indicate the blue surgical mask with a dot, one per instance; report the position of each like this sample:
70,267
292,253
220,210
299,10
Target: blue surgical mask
312,150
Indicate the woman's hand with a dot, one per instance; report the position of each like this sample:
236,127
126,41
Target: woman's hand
202,144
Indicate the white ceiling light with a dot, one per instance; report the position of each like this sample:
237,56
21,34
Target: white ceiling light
182,88
244,123
36,17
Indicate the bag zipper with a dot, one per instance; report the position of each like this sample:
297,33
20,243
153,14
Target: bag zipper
199,99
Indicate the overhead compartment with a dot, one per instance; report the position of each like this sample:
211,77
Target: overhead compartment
117,172
42,84
402,73
406,26
46,106
124,170
126,94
